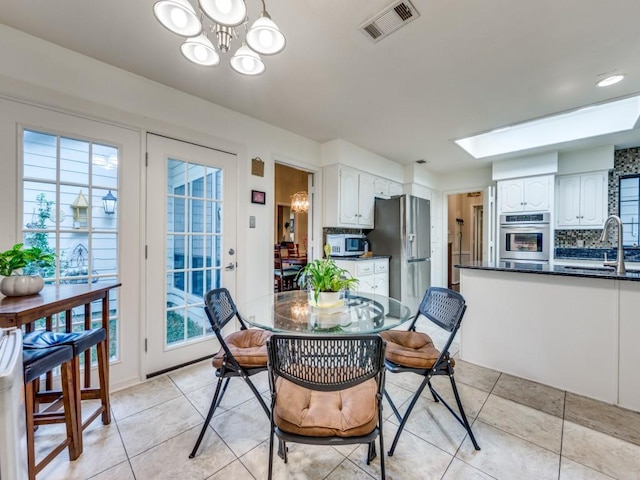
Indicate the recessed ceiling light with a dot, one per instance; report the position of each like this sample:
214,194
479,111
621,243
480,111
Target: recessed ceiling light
591,121
611,80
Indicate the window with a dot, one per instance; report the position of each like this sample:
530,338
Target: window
630,209
64,181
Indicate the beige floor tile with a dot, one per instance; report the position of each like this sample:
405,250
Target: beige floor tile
234,471
308,462
399,397
141,397
543,429
603,417
243,428
570,470
347,470
237,393
532,394
472,398
170,460
432,423
194,376
157,424
601,452
103,449
413,458
459,470
505,456
476,376
121,471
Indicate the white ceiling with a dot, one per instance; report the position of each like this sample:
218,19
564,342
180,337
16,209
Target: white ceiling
464,67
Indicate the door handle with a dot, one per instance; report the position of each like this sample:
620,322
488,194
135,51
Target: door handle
231,266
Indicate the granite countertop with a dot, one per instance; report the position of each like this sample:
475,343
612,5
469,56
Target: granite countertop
359,259
552,269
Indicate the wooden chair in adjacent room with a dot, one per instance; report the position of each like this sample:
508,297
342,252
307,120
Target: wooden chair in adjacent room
284,275
242,353
414,352
326,390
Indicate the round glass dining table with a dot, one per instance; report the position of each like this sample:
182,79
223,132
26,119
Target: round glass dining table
295,311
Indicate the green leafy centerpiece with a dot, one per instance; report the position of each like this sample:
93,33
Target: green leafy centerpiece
14,264
325,281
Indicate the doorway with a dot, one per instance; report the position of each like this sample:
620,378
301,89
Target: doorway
465,232
291,224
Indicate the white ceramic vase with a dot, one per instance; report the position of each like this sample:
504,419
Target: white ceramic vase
21,285
326,299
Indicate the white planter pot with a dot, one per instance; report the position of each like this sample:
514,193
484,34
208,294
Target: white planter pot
326,299
21,285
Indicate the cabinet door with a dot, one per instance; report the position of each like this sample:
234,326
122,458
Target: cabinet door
366,200
593,198
348,197
382,277
511,196
381,187
536,193
395,189
568,201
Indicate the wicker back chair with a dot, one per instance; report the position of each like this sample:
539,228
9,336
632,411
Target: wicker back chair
411,351
326,375
242,353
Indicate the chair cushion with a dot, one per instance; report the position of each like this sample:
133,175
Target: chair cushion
39,361
410,349
249,347
80,341
345,413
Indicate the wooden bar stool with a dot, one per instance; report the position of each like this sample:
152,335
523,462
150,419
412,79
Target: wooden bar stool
37,362
79,342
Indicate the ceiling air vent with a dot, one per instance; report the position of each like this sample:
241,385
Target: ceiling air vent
389,20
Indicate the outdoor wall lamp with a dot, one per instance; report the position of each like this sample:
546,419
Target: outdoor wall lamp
109,203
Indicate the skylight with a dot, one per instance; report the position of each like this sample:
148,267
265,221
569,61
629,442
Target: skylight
586,122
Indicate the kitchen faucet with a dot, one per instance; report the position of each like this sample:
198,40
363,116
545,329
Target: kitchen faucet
619,262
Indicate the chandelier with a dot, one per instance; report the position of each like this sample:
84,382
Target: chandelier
300,202
219,19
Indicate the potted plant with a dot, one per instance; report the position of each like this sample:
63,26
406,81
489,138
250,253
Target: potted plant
325,279
12,263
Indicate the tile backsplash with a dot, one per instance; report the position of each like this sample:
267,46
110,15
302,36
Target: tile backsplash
626,162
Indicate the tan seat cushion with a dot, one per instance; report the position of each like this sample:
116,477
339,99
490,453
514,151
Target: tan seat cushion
249,347
411,349
346,413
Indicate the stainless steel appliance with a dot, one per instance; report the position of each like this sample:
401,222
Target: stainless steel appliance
403,231
525,237
347,244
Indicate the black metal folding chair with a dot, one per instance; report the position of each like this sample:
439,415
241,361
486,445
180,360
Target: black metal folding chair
326,390
414,352
242,353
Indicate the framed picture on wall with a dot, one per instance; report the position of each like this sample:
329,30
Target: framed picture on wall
257,197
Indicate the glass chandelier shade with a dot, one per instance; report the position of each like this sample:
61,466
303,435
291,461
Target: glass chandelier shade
300,202
229,13
178,16
200,50
247,62
265,37
211,29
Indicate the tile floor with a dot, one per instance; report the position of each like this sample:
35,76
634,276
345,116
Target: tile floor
526,431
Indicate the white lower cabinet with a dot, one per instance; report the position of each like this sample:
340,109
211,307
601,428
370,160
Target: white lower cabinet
372,275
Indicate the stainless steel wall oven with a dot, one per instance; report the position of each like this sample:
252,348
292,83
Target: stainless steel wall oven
525,237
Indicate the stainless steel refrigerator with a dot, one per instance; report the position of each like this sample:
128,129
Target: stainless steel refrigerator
403,231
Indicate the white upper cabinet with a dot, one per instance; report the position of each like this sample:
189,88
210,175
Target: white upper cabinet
525,194
349,197
581,200
381,186
395,188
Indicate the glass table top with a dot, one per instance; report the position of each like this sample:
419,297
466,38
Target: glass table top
295,311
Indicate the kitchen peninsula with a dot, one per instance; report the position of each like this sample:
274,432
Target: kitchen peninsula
574,328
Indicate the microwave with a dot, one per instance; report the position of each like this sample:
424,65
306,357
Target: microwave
347,244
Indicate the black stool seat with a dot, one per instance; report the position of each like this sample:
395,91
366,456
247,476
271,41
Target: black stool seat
39,361
79,341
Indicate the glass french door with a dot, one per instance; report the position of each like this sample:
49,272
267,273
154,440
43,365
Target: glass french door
191,241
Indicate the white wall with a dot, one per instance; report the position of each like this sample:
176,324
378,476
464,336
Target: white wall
345,153
40,73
